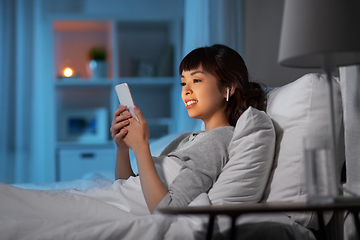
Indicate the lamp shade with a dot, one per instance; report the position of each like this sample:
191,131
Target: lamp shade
317,30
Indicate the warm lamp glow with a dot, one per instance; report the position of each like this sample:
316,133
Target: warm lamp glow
68,72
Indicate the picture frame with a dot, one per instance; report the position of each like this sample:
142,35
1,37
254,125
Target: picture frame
84,125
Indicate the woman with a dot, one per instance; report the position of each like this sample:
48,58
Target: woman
215,89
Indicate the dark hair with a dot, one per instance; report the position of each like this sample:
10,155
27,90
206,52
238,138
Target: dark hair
230,70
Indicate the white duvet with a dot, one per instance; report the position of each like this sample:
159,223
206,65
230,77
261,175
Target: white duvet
115,211
104,209
105,213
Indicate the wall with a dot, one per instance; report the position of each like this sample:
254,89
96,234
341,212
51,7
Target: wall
262,27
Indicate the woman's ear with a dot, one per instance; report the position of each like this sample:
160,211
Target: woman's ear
232,90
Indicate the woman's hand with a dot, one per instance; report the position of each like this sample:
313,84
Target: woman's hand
118,126
137,131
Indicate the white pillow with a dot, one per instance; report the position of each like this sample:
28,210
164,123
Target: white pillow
298,109
251,153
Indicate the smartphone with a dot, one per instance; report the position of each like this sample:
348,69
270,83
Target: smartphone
125,98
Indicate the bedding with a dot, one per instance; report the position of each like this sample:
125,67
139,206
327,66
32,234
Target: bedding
74,217
88,180
298,109
251,154
93,207
96,213
115,211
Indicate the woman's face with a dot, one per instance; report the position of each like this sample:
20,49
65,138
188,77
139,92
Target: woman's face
201,95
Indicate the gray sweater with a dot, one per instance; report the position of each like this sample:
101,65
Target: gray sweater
203,155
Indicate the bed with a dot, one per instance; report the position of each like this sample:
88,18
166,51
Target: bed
265,165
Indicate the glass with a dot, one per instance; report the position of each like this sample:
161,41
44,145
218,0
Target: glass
319,170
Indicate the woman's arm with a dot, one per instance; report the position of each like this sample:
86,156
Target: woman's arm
151,185
123,168
138,140
118,131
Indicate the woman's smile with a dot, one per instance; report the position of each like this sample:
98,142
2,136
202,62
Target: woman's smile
189,103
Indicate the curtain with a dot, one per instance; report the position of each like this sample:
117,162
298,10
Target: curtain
25,155
207,22
226,23
7,38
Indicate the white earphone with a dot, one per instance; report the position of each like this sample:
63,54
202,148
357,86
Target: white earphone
227,94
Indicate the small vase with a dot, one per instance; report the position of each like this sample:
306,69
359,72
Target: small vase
98,68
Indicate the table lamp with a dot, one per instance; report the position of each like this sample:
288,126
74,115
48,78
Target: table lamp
321,34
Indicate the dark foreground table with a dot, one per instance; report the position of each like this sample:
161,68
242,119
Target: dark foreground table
235,210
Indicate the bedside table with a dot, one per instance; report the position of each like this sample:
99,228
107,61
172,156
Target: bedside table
235,210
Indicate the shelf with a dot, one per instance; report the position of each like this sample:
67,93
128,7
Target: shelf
73,41
76,145
81,82
139,53
160,121
146,81
144,49
159,127
164,123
